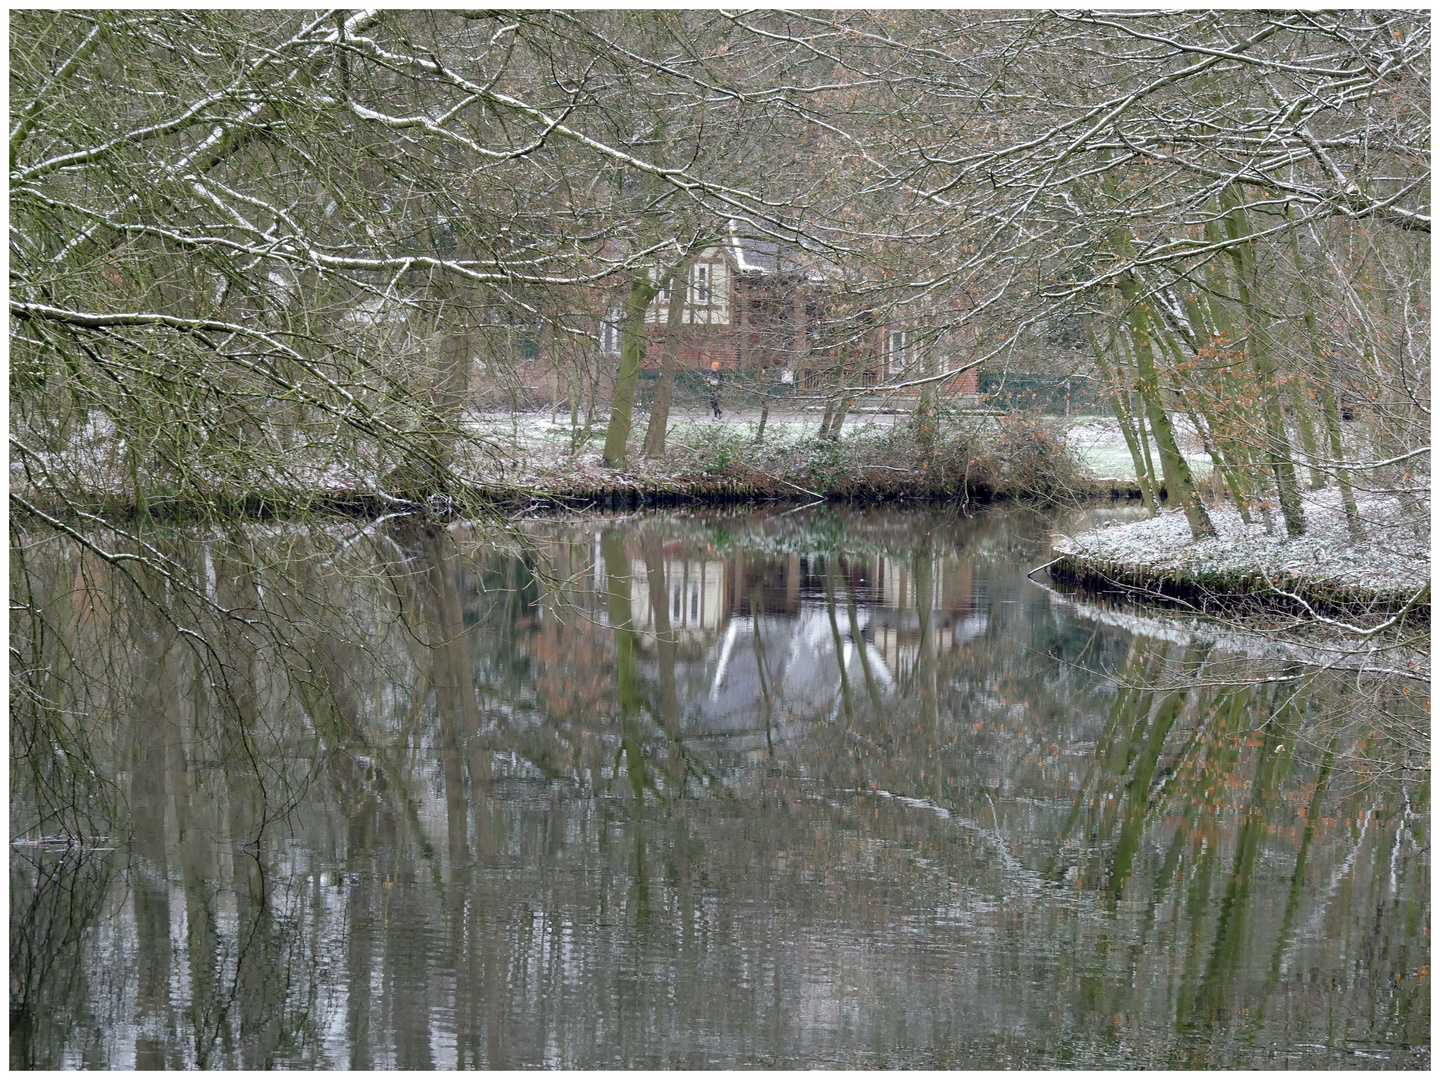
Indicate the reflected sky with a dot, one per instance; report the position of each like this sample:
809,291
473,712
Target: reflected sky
744,789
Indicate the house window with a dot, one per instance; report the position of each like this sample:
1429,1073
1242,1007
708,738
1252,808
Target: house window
610,333
708,295
895,351
658,311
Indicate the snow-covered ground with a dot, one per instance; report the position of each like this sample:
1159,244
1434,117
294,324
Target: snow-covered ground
529,445
535,431
1097,441
1393,554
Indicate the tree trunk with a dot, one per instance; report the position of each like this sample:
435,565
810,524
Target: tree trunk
1171,341
825,420
1156,481
591,398
576,386
632,355
1302,406
924,417
842,407
1172,463
1324,382
1337,451
669,360
1117,393
1229,475
430,468
1217,460
1277,442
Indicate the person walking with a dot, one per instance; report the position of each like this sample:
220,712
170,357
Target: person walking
714,383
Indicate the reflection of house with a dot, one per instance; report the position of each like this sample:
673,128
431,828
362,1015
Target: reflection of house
695,590
896,625
900,647
760,649
705,595
772,671
772,585
763,650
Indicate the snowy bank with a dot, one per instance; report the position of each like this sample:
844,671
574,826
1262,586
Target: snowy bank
491,471
1387,569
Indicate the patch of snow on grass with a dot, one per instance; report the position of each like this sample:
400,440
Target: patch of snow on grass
1391,554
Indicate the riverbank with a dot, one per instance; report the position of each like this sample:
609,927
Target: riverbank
710,464
1325,574
722,463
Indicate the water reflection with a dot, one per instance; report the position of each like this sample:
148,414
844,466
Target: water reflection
825,788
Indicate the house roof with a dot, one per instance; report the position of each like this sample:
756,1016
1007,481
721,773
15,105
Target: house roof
785,663
752,255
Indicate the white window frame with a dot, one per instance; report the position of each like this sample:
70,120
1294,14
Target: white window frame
659,308
700,285
610,332
719,293
896,351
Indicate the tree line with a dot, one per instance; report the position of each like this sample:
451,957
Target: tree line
285,242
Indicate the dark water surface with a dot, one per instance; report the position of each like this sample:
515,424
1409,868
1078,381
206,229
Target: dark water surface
745,789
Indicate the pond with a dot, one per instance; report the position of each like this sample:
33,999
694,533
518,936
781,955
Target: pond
746,788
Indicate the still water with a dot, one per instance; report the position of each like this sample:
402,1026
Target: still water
738,789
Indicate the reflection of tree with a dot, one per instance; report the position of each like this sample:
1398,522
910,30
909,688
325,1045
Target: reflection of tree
151,731
667,698
762,673
831,568
1147,739
925,673
617,583
1180,761
55,901
1124,844
872,688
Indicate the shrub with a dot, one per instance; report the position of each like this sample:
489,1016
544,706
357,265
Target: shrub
1034,459
1025,459
720,450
